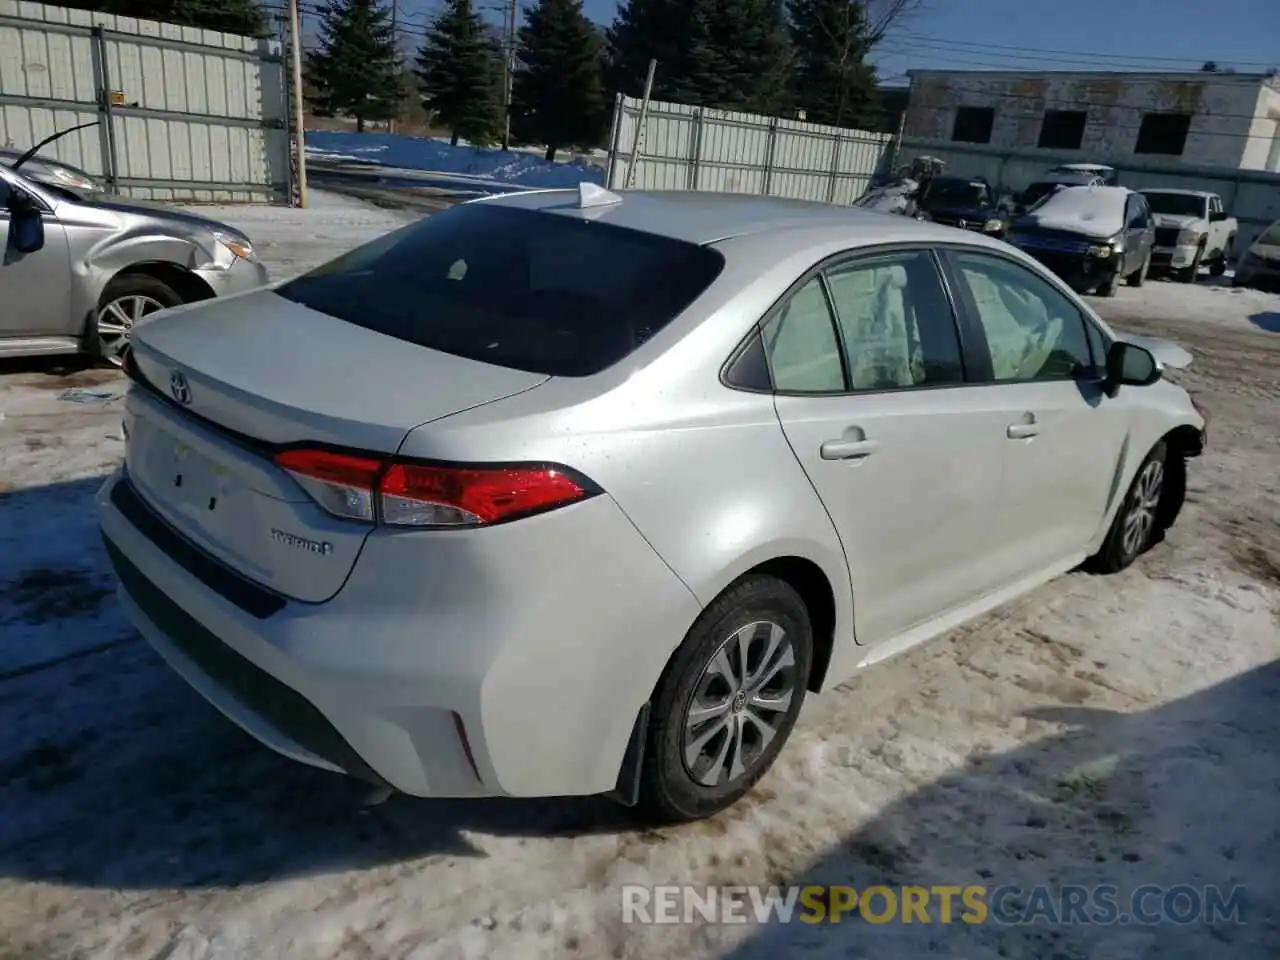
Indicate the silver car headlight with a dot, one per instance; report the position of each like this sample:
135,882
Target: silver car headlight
1189,236
237,246
1101,251
993,226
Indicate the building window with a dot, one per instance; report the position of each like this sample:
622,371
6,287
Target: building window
973,124
1062,129
1164,133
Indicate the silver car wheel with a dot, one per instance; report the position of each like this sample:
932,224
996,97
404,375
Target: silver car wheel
739,704
116,320
1143,503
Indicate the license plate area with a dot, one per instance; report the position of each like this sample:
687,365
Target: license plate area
200,497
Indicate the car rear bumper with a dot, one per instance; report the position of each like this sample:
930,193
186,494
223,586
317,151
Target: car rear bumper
504,662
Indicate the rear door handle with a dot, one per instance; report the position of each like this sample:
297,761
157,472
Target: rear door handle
849,449
1021,431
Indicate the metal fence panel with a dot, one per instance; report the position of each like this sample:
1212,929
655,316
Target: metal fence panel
683,147
189,114
1251,196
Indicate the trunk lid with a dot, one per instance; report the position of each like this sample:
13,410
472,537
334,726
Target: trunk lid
245,374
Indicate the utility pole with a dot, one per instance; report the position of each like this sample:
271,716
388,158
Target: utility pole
508,76
395,43
299,124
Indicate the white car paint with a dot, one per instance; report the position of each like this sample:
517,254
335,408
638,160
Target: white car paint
1197,232
543,638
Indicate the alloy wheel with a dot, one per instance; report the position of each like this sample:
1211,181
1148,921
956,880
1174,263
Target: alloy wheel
116,321
739,704
1140,519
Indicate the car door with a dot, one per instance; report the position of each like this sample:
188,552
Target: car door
1135,241
1041,357
1217,225
35,288
867,368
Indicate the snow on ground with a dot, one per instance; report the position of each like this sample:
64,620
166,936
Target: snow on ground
437,156
1103,729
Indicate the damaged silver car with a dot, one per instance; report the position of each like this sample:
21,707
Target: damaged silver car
78,271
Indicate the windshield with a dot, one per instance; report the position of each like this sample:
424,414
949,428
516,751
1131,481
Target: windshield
519,288
1175,204
958,191
1271,236
1037,192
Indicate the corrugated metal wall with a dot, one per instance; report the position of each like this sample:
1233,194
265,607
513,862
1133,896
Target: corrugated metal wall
194,114
692,148
1251,196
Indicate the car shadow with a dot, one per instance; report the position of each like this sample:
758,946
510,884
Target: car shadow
1267,320
115,773
1184,793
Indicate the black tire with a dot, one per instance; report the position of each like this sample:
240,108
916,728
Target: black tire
669,792
1219,265
1107,288
1117,552
121,287
1189,274
1139,276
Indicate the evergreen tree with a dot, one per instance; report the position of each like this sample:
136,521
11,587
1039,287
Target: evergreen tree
832,81
729,54
459,72
559,95
244,17
356,71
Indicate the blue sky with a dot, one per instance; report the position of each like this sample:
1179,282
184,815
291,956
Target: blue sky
1157,35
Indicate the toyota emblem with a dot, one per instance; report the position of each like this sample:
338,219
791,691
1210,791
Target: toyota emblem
179,387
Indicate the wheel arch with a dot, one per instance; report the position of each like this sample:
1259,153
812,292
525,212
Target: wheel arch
186,284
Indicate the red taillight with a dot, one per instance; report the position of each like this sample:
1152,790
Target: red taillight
408,494
342,484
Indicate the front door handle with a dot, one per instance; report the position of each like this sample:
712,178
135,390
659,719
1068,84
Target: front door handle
849,449
1021,431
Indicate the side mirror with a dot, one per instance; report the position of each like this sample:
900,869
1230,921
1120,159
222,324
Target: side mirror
1129,365
26,224
1217,216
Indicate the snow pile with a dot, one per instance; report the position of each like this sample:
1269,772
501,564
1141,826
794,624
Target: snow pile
437,156
1093,211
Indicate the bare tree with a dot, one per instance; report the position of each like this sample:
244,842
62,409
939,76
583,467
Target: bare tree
882,16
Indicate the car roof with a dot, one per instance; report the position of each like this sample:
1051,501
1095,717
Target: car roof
1083,166
1097,190
704,218
1202,194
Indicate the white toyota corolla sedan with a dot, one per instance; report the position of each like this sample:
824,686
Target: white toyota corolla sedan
570,492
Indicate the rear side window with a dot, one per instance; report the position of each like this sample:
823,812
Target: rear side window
519,288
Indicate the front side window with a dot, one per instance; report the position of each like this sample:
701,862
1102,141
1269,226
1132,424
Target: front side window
1033,331
800,342
527,289
896,322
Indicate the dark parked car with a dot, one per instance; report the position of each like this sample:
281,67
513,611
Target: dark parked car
1091,236
964,202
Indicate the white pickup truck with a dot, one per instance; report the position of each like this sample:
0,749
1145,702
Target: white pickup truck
1192,230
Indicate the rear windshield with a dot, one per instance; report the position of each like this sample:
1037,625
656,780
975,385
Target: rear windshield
541,292
1271,236
1175,204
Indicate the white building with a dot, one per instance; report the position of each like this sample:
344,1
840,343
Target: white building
1198,119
